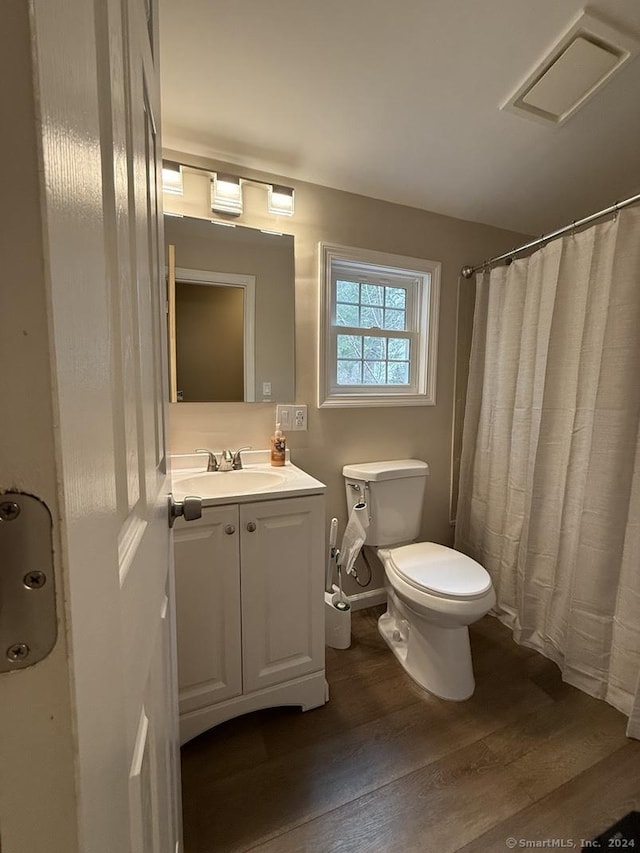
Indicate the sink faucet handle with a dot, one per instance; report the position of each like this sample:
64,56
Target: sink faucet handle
212,464
237,459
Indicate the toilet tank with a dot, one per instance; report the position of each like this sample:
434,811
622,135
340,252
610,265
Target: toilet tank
394,493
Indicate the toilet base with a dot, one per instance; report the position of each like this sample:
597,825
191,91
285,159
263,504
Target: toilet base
438,659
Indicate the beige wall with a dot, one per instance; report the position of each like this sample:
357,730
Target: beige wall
339,436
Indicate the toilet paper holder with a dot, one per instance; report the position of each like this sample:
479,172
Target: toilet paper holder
364,493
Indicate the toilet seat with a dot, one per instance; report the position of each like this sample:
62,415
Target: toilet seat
440,571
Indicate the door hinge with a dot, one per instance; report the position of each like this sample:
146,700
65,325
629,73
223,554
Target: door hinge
28,622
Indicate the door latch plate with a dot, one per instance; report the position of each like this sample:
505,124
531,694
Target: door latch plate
28,622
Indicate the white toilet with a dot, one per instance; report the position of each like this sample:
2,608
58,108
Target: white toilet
433,592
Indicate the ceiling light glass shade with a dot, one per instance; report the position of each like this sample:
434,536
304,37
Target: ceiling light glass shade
172,177
281,200
226,194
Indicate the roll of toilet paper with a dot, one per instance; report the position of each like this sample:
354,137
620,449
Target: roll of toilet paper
355,536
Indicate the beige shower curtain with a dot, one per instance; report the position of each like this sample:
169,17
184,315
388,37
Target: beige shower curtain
550,472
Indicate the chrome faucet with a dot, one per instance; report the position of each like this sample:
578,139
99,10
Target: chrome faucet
232,460
226,461
229,460
212,464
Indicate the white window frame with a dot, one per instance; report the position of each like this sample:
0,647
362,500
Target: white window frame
422,280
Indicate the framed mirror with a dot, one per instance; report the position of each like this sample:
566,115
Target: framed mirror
231,312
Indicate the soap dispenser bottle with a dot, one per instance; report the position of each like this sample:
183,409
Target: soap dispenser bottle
278,447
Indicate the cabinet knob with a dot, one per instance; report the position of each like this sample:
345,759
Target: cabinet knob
251,526
229,529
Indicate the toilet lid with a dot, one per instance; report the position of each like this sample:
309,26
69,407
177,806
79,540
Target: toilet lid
441,570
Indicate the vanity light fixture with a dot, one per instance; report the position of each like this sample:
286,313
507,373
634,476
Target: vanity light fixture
281,200
172,177
227,190
226,194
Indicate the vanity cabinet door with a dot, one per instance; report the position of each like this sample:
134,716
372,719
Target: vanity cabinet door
282,548
207,570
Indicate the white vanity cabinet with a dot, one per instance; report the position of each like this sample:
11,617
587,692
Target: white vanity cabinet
250,617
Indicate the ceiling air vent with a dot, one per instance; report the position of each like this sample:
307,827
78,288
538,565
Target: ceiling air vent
588,55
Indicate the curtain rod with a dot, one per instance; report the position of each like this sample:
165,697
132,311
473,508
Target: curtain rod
467,272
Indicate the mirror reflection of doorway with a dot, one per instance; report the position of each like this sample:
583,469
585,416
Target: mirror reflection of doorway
211,325
209,343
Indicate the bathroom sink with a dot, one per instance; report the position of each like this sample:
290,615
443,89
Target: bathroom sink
257,480
216,484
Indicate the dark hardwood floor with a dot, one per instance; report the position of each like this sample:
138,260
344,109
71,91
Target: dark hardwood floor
385,767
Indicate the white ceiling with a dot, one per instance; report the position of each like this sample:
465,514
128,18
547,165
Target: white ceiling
399,100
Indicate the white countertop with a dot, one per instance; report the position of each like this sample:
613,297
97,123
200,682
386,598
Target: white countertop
258,480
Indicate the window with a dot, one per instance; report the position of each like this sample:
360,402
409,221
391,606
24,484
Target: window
378,335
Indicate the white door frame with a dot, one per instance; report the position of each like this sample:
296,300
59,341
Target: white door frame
33,734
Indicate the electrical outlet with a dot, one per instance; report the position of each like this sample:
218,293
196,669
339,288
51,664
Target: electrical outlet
300,417
292,418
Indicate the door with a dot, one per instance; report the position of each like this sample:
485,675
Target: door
208,609
88,752
282,556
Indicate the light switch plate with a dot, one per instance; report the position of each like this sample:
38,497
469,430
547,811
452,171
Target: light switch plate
284,417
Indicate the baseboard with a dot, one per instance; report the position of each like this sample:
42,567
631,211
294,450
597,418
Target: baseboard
360,600
369,598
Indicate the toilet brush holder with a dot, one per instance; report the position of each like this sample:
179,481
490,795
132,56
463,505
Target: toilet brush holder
337,621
